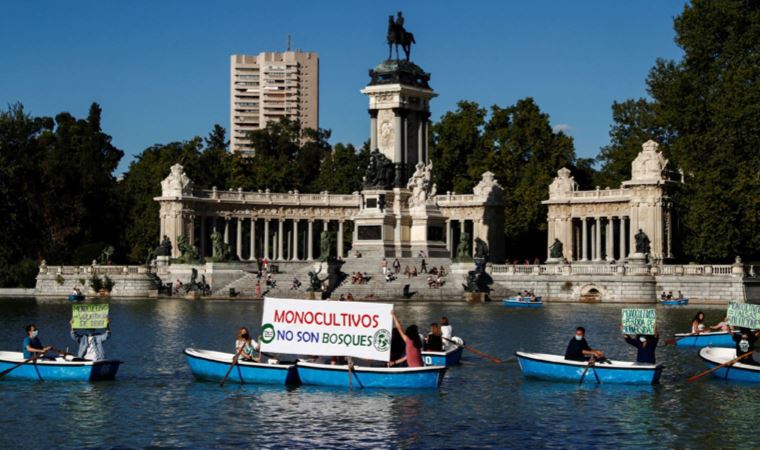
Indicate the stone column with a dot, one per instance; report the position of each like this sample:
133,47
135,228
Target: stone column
280,241
191,230
310,241
584,239
372,129
340,238
295,239
598,244
226,230
252,243
669,233
420,138
398,127
448,236
266,238
325,224
621,231
202,252
425,124
239,236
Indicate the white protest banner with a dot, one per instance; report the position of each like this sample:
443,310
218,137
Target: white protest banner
744,315
327,328
638,321
89,316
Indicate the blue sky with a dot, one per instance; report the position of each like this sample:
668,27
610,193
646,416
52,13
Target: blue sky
160,69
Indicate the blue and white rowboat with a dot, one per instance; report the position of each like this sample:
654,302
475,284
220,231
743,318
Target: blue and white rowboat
211,365
370,377
675,302
522,302
76,297
736,372
59,369
446,358
708,339
557,368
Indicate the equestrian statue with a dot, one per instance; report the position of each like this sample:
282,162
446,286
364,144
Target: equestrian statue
397,35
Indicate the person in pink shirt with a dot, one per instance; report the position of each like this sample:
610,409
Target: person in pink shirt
412,342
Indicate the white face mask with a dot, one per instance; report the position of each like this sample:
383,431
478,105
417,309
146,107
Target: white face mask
578,337
34,333
744,345
642,339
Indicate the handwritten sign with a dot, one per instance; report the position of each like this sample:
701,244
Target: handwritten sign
307,327
744,315
89,316
638,321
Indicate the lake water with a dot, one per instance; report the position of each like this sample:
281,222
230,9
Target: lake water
155,402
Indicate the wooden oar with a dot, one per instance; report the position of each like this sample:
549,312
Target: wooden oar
728,363
232,365
350,372
674,340
588,366
477,352
26,361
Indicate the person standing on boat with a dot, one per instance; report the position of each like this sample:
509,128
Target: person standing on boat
434,341
412,343
745,342
91,342
646,345
579,350
698,323
32,345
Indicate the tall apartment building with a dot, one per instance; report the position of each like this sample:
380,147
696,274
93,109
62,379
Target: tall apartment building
269,86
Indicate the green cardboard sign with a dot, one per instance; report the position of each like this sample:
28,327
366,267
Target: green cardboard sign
744,315
89,316
638,321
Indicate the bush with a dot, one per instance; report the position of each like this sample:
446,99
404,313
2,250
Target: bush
20,275
108,283
96,283
59,279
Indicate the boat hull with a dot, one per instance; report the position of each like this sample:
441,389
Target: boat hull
371,377
555,368
213,366
517,303
719,339
448,358
76,298
58,370
713,357
677,302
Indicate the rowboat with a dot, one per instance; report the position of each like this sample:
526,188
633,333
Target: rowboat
370,377
675,302
522,302
446,358
736,372
708,339
557,368
58,369
211,365
76,297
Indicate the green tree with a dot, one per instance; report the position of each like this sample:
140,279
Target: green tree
342,170
454,138
215,161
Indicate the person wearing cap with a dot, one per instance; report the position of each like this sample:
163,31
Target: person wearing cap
91,342
646,345
579,350
745,342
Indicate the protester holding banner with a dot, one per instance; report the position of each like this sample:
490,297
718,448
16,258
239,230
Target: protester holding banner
646,345
90,341
413,344
32,345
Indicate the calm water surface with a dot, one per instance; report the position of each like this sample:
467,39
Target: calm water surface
156,403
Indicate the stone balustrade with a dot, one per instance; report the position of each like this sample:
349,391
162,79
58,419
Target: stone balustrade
93,270
716,270
269,198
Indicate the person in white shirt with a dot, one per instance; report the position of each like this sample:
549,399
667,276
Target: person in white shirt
446,333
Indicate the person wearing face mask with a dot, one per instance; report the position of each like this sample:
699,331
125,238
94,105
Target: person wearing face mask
32,346
248,346
647,344
579,350
745,342
91,342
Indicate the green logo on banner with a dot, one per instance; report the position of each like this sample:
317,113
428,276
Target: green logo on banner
267,333
382,340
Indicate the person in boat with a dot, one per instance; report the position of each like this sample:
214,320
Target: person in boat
412,345
745,342
398,347
447,332
663,296
680,295
533,297
670,295
579,350
646,345
434,340
75,291
245,346
91,341
32,346
722,326
698,323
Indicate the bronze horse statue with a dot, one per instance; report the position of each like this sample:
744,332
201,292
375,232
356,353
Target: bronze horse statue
399,36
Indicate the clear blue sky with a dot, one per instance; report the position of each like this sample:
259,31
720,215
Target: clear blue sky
160,69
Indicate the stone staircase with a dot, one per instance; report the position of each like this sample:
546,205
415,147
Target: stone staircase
245,286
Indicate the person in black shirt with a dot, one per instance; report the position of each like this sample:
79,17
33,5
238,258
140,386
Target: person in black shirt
646,344
579,350
434,341
745,342
398,348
